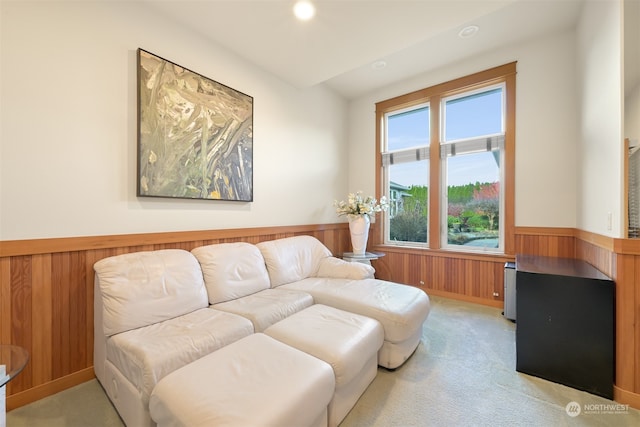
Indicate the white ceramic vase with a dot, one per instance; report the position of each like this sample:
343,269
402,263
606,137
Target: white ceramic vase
359,229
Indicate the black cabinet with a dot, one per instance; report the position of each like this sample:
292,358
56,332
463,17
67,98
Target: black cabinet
565,328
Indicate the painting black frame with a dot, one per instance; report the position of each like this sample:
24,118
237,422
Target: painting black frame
181,115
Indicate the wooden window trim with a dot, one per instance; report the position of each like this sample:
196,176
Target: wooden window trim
502,74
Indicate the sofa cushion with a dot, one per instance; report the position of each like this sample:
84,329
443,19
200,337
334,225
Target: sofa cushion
143,288
293,258
232,270
146,355
267,307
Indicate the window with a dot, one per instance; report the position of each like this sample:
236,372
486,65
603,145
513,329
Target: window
406,163
446,164
472,147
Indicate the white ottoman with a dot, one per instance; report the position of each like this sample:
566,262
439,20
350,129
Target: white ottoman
256,381
401,309
348,342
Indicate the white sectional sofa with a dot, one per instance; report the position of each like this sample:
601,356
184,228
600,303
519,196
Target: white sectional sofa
158,312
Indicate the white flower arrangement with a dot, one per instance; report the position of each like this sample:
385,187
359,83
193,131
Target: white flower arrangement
357,205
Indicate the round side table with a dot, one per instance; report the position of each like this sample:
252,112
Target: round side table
13,359
365,259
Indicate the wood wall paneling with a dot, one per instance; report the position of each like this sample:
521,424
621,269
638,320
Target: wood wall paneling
21,315
545,242
620,260
46,296
470,277
42,320
633,322
46,289
628,338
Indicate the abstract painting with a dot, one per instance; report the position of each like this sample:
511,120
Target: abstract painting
195,135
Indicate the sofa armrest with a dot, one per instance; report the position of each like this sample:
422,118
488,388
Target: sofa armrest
336,268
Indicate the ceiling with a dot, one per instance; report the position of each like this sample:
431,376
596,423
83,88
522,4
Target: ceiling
344,40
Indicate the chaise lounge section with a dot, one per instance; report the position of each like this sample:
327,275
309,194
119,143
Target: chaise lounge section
303,263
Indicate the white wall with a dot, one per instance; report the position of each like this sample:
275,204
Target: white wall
546,126
631,42
600,146
68,128
632,116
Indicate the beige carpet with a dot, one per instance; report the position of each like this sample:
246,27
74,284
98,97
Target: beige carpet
462,374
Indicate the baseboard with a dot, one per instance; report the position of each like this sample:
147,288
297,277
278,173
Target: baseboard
466,298
36,393
626,397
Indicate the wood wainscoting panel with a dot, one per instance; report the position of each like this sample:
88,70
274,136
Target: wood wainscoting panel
46,295
42,320
633,317
46,289
471,277
475,278
5,300
20,316
620,260
554,242
628,269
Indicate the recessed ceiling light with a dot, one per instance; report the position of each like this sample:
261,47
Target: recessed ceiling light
468,31
379,65
304,10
